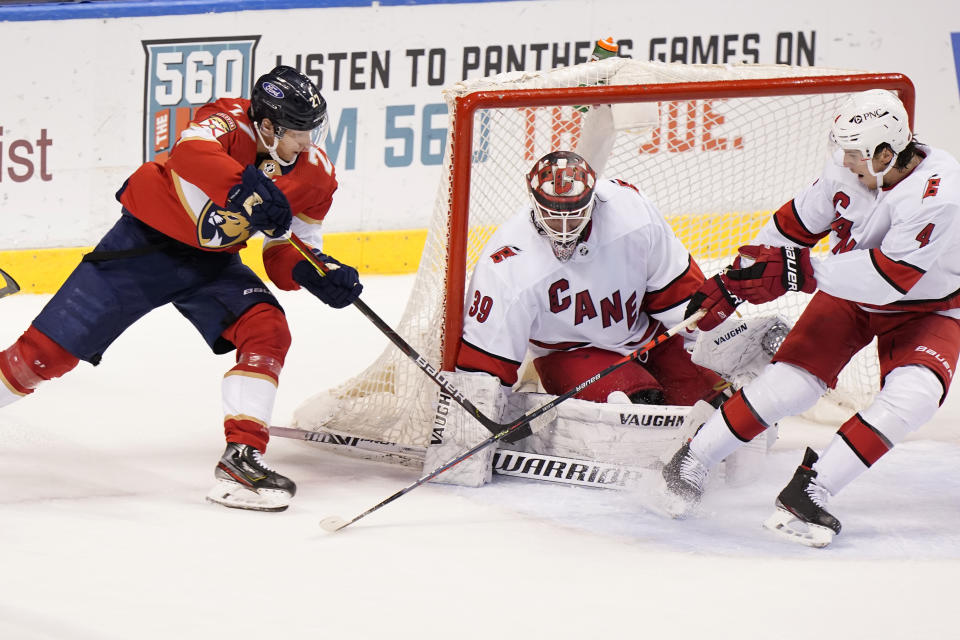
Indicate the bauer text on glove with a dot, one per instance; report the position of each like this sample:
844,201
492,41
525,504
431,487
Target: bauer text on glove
263,203
762,273
338,288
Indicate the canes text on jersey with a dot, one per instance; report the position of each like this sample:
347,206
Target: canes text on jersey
611,309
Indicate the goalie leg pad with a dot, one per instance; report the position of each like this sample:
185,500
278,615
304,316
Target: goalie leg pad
455,430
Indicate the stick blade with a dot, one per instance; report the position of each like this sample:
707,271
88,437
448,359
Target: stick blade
333,523
8,285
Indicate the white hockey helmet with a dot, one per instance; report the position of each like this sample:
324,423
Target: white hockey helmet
561,186
868,119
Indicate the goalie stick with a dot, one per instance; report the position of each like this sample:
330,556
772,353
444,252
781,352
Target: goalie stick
10,285
336,523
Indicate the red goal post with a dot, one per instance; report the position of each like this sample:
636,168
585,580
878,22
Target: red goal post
467,106
716,147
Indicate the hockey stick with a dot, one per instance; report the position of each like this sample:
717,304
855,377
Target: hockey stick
432,372
10,285
336,523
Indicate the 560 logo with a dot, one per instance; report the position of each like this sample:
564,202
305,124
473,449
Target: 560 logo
184,74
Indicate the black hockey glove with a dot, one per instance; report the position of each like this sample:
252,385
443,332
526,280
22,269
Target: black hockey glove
338,288
263,203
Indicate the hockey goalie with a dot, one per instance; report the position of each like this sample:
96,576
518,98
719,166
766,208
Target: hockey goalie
583,274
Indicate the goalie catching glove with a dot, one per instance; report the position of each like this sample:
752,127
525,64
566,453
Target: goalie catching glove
262,202
739,351
339,287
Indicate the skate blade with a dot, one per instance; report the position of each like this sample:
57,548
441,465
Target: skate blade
236,496
674,505
787,526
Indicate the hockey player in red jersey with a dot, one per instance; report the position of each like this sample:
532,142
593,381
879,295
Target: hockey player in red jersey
240,167
891,208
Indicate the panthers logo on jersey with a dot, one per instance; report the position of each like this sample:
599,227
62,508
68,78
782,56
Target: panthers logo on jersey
217,228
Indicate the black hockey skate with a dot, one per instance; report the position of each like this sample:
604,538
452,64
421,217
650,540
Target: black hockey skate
245,482
684,476
801,515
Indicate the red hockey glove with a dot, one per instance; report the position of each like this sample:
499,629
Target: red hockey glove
762,273
713,296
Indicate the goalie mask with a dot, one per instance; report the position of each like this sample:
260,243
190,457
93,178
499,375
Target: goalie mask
292,103
865,121
561,187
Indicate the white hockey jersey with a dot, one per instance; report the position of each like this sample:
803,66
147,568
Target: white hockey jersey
627,273
891,249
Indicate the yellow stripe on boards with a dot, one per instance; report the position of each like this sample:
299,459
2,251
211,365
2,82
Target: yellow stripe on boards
372,252
707,236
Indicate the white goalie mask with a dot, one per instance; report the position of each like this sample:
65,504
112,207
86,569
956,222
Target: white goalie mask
865,121
561,186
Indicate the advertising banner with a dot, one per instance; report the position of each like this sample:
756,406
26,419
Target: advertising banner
87,100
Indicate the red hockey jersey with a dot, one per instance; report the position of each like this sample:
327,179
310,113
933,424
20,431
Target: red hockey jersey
184,198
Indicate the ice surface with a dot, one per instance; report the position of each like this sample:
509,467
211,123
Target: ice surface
104,533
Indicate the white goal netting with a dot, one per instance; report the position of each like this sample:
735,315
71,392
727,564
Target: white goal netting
718,148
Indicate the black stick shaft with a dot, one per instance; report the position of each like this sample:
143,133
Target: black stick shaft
527,417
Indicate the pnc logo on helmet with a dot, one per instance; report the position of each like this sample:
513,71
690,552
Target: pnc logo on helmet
869,115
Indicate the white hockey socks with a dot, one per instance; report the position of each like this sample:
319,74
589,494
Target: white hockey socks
909,398
781,390
461,431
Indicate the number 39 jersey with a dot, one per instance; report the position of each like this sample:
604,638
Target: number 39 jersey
629,271
892,249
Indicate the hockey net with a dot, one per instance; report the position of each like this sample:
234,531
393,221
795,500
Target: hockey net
717,148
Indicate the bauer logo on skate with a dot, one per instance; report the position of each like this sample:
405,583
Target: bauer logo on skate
939,358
